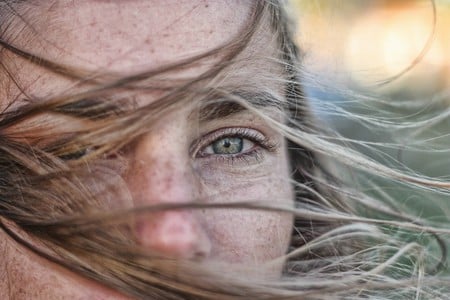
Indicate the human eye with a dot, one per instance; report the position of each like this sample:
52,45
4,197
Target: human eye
67,150
76,154
234,144
88,152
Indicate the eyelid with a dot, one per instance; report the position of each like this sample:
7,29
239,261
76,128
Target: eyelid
77,155
251,134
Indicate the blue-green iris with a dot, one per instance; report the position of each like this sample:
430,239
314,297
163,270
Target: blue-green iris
228,145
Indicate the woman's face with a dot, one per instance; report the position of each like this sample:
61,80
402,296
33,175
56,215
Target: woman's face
220,158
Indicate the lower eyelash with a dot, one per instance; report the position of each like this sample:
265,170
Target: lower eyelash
256,154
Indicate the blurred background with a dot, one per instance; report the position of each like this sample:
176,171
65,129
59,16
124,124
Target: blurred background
383,61
370,42
378,72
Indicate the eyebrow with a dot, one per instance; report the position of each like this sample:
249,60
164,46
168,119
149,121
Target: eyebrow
224,107
217,108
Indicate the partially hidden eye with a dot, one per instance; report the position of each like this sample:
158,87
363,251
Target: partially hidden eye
228,146
76,154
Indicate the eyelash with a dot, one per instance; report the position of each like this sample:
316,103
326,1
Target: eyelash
78,154
260,141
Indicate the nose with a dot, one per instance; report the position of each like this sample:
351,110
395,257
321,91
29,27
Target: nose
161,173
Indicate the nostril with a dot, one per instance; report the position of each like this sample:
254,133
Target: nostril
173,234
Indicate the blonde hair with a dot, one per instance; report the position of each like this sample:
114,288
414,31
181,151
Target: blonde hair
347,244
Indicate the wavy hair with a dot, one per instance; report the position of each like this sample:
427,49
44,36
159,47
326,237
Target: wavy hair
347,243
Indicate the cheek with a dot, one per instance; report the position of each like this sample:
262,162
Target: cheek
104,181
24,275
249,235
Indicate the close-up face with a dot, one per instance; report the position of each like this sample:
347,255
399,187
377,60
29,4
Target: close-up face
189,154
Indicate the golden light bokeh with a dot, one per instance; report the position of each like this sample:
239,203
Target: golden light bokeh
377,42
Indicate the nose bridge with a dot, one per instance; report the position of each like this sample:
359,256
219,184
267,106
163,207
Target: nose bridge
163,170
168,180
161,173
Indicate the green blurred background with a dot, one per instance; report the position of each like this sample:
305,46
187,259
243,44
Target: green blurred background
378,72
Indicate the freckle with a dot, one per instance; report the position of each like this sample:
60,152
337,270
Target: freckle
206,5
167,184
211,31
165,35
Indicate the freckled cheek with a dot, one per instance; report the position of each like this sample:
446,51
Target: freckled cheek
251,236
266,181
28,276
244,235
271,185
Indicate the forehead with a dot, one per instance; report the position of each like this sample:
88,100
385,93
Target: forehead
140,35
129,34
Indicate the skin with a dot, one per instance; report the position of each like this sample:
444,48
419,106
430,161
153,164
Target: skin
131,36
